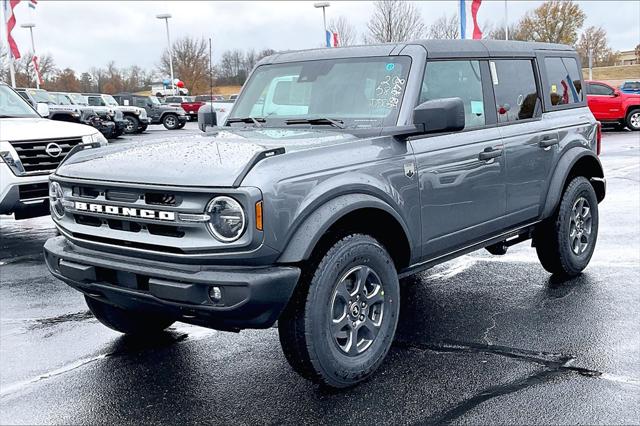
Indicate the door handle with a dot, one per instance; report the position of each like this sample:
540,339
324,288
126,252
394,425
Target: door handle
546,142
489,153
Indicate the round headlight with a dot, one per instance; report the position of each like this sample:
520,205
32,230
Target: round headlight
227,220
55,199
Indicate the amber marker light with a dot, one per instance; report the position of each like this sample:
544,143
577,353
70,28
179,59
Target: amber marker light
259,215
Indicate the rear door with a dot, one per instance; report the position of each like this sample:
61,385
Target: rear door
529,144
462,174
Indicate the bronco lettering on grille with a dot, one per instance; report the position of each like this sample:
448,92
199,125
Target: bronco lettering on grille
125,211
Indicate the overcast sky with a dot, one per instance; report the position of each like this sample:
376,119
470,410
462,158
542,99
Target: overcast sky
83,34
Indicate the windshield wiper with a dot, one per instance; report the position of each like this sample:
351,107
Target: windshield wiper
255,120
330,121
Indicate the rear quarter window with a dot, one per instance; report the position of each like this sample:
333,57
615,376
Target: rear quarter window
564,82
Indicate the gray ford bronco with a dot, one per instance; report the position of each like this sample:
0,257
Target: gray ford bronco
337,173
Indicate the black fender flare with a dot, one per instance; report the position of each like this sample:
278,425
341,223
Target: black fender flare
561,173
304,239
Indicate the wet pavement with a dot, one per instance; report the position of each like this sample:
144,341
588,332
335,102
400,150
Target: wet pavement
481,339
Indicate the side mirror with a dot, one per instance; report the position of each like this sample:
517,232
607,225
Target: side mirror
616,93
207,117
43,109
439,115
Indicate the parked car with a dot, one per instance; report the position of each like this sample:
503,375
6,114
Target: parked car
187,103
209,98
632,87
610,105
171,117
60,112
367,165
31,147
136,119
159,90
107,120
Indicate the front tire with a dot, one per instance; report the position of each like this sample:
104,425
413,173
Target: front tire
181,125
633,119
127,322
339,326
170,121
565,242
142,128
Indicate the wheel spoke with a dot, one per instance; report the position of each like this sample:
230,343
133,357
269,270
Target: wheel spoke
352,345
340,324
376,297
342,292
361,278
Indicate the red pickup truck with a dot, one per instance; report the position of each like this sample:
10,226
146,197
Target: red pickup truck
188,103
610,105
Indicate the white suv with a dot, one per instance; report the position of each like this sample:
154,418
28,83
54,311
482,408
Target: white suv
31,147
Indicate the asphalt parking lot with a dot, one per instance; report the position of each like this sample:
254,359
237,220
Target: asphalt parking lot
481,339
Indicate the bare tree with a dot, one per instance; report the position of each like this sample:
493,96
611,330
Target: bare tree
190,63
595,39
497,32
445,28
393,21
554,21
347,34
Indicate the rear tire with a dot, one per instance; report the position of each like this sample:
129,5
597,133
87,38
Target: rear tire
132,124
565,242
335,331
127,322
633,119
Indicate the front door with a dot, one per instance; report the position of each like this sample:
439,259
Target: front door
603,102
462,174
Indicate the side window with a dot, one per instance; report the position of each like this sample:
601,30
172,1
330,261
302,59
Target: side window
563,78
600,89
94,101
456,79
140,102
514,85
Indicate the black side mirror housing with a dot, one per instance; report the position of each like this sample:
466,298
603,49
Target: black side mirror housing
439,115
207,117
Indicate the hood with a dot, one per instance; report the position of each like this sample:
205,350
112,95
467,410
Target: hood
207,160
17,129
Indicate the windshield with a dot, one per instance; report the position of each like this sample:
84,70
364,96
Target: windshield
110,100
154,100
78,99
61,99
41,96
361,92
12,105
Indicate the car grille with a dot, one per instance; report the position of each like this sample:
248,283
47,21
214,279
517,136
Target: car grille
33,155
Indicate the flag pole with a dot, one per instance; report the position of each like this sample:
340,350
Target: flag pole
506,21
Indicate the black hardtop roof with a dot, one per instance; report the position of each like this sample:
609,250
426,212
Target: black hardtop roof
435,49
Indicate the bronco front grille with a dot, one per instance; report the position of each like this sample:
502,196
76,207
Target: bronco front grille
163,220
34,157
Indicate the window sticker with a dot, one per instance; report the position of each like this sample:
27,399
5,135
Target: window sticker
554,88
390,66
388,92
477,107
494,73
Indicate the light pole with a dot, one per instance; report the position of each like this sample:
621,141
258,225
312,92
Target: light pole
166,17
31,26
323,5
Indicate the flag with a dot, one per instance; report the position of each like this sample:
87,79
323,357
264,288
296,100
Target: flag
37,68
328,36
10,18
335,39
475,6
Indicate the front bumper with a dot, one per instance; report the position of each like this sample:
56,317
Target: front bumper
252,297
23,196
